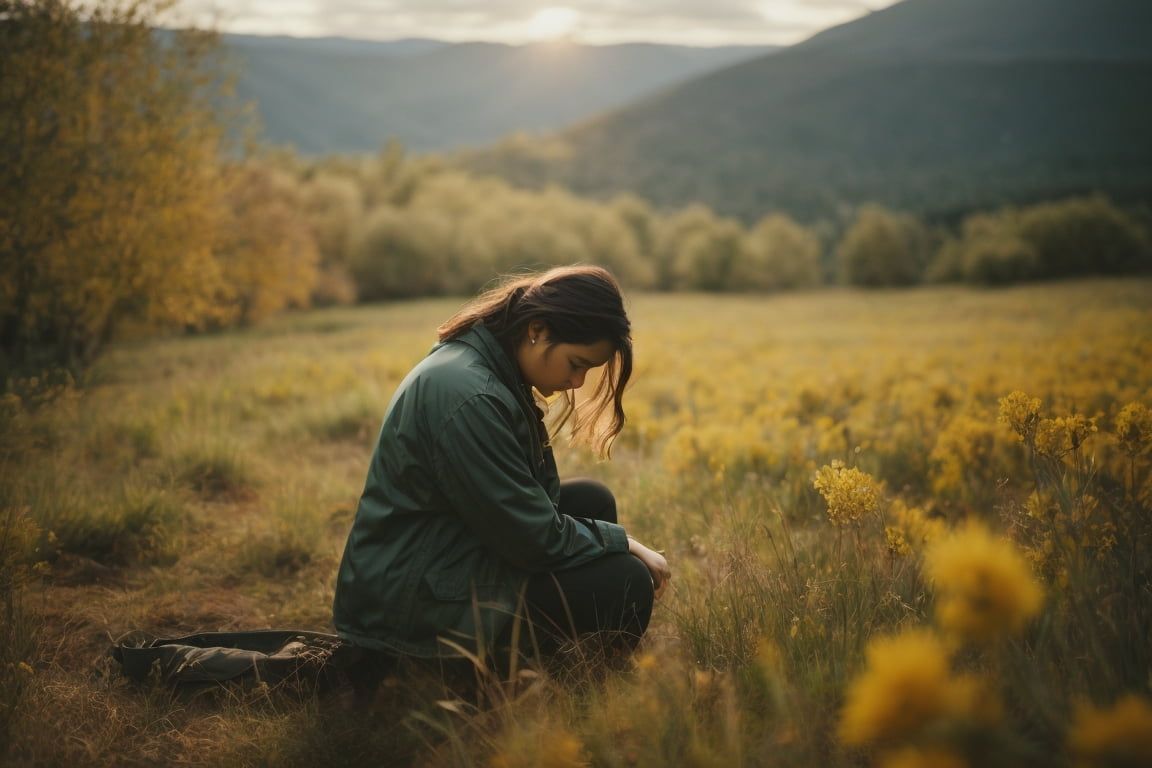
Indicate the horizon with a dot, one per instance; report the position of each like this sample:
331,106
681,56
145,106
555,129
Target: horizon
556,43
696,23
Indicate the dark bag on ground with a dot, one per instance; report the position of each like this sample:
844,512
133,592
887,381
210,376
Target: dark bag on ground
311,661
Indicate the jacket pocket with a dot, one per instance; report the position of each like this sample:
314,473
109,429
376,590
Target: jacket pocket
455,585
449,586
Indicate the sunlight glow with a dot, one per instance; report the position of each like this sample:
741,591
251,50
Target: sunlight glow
553,23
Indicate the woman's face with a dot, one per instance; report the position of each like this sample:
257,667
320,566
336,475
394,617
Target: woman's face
552,368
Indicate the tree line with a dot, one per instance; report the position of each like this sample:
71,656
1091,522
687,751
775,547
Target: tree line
132,201
126,205
397,227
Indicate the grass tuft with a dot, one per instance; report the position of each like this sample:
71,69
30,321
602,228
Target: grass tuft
134,524
215,471
286,537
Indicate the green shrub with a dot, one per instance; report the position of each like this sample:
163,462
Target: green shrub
136,523
1001,261
18,537
882,248
1067,238
1085,236
214,470
286,538
779,255
353,416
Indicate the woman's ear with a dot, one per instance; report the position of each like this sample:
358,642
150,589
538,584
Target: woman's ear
537,331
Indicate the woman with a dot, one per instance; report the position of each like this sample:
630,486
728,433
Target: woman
463,522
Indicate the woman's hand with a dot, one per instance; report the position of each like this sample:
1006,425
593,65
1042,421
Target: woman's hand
656,564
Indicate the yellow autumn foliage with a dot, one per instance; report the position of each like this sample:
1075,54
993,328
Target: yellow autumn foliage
907,686
1119,736
121,209
984,588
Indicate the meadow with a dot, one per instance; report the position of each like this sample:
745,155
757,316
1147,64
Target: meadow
907,528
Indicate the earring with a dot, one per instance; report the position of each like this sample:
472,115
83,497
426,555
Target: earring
533,341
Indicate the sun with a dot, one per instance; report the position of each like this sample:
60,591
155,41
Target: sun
553,23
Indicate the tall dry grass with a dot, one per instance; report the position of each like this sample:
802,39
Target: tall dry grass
855,504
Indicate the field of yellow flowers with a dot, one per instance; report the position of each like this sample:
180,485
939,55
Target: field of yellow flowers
907,529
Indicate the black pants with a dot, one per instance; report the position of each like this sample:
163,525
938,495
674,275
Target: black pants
612,594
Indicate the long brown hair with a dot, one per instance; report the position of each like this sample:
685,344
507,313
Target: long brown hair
579,305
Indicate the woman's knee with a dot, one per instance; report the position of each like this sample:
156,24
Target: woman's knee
638,580
585,497
638,595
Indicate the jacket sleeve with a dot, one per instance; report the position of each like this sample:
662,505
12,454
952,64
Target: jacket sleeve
482,470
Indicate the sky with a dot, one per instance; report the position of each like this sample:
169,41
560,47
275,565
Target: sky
598,22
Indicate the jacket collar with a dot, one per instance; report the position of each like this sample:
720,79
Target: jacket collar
481,339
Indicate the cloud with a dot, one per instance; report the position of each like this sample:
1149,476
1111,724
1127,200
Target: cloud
599,21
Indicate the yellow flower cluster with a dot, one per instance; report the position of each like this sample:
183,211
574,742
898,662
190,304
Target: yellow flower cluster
1059,436
984,588
910,395
1117,737
541,745
914,757
1134,429
907,688
967,459
849,493
717,447
910,528
897,544
1020,412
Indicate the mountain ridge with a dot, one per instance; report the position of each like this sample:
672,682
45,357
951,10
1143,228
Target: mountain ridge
342,95
934,106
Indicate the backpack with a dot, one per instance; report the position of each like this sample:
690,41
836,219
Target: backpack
301,660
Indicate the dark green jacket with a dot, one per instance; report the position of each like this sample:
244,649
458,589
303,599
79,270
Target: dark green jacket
460,505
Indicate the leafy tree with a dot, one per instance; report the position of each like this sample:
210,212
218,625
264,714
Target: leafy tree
109,178
1084,236
393,178
333,204
400,254
641,221
266,252
706,259
675,235
780,255
1066,238
989,251
999,261
882,248
603,237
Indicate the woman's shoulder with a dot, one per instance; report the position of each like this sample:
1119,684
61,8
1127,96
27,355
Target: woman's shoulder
454,373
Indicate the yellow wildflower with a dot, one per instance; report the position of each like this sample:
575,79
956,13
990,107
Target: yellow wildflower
1062,435
984,587
1134,429
913,757
1119,737
1041,506
965,456
1020,412
897,544
906,687
849,493
541,746
702,679
646,662
914,524
768,657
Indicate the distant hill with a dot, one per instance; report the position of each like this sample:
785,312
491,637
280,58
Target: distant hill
934,106
338,95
